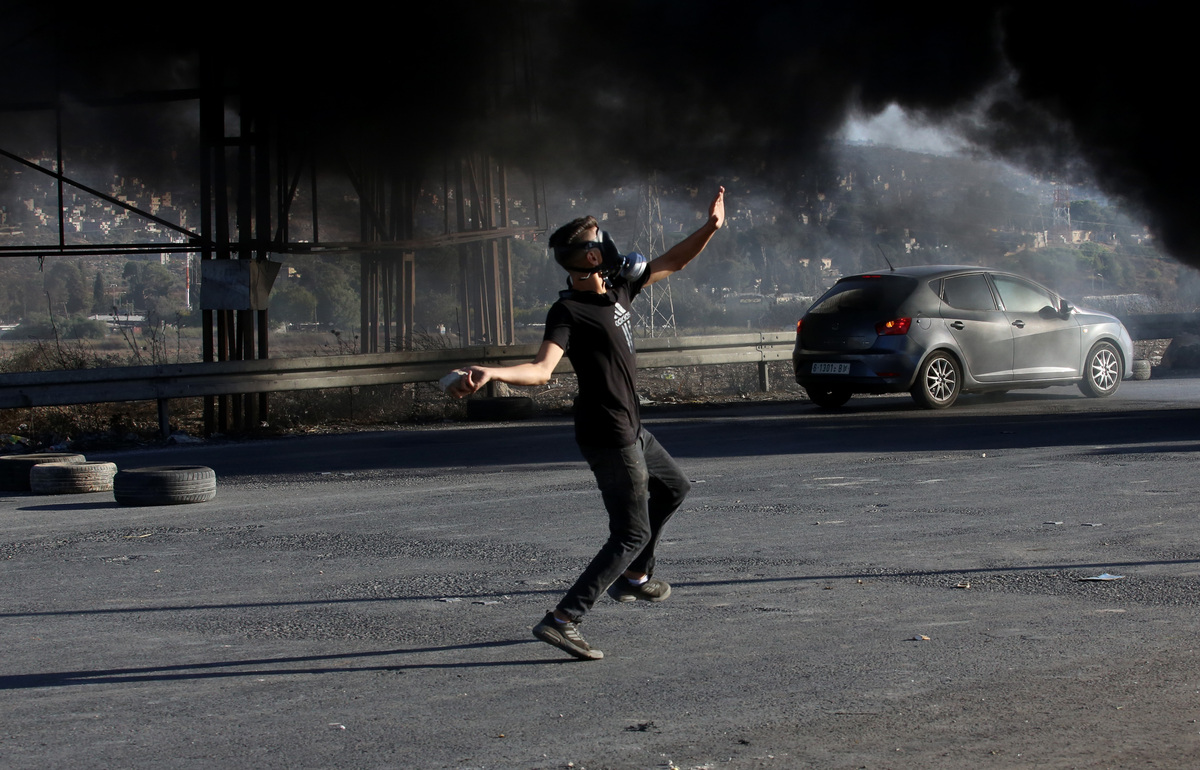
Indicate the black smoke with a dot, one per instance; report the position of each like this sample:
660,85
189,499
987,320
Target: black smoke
691,87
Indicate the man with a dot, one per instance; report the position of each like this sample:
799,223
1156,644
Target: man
640,483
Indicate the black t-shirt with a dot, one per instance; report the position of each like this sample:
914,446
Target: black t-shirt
596,331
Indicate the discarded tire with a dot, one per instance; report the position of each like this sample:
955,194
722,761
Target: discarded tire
71,478
14,469
497,409
165,485
1141,369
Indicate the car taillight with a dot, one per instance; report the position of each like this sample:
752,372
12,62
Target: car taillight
894,326
798,325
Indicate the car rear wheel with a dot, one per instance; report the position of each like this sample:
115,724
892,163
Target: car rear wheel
827,398
1101,371
939,381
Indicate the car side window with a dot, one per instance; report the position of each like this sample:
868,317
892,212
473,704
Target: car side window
1020,296
968,292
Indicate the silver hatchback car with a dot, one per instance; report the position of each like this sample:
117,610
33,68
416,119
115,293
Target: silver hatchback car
938,331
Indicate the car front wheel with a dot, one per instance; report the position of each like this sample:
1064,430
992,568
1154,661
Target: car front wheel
1101,371
939,382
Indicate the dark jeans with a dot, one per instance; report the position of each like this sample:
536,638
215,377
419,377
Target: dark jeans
641,486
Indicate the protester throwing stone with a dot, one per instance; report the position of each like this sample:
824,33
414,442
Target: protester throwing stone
640,483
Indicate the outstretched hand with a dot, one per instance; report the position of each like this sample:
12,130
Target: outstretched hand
471,380
716,210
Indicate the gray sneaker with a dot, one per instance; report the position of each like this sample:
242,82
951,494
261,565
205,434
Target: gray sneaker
651,591
566,637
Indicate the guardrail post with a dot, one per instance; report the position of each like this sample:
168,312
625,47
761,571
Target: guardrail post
764,377
164,417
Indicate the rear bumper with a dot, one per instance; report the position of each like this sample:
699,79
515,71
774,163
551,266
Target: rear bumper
884,372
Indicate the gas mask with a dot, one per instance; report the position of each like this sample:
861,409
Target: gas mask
613,265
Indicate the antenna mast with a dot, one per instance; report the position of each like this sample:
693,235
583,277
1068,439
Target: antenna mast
658,320
1062,212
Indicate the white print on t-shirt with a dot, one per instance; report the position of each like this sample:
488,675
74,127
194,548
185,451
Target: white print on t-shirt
621,317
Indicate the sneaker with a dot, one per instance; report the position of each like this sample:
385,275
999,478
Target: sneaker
566,637
650,591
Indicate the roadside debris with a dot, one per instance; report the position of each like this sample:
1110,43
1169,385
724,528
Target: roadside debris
12,439
919,638
964,584
1105,577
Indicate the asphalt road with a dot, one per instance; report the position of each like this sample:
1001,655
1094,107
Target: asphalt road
365,601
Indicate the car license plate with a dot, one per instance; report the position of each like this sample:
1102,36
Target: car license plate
831,368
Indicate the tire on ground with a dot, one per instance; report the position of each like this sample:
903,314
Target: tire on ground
165,485
1141,369
14,469
71,478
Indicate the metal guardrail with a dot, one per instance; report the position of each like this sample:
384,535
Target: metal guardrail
162,382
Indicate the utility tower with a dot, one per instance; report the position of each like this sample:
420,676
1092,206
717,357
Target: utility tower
1062,211
656,313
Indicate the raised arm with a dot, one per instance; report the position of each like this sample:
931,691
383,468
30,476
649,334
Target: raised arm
536,372
677,257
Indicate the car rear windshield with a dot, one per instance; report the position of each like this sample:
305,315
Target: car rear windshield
864,294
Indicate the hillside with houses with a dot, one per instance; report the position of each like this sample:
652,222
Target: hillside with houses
791,233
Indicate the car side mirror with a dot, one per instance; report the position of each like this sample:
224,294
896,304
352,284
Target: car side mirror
1063,311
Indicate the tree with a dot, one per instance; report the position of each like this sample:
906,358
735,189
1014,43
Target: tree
64,285
20,288
1090,215
100,303
293,304
336,290
147,283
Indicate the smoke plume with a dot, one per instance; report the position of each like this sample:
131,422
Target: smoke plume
693,87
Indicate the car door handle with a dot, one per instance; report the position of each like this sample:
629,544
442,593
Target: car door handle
1019,324
958,325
